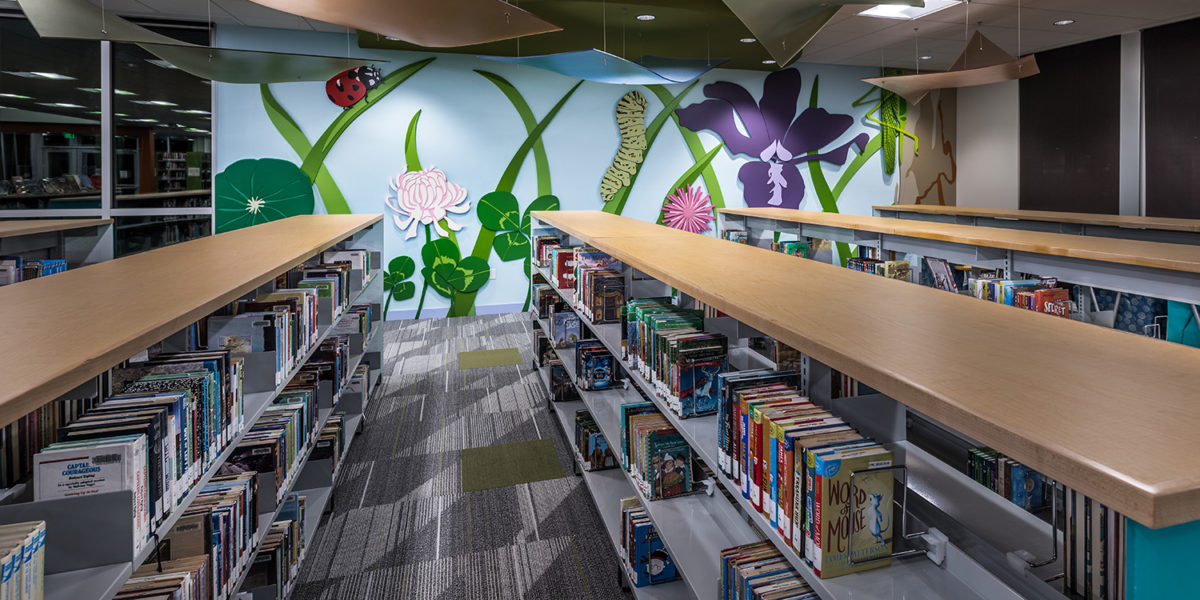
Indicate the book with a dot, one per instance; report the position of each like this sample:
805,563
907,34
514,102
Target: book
848,530
645,558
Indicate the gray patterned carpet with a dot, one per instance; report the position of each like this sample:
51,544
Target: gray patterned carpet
402,528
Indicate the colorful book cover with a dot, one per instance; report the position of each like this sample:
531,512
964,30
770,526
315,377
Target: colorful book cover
867,533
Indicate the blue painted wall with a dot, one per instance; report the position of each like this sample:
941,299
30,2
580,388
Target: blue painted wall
470,131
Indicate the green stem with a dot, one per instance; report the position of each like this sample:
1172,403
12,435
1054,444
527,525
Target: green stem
540,161
688,177
696,147
424,286
331,196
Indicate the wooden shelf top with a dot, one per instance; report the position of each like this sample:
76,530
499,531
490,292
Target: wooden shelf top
32,226
1173,257
1129,222
58,332
1111,414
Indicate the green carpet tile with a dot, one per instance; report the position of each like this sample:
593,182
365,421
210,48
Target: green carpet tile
481,359
404,527
509,464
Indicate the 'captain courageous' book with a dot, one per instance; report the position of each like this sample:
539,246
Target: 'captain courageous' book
871,524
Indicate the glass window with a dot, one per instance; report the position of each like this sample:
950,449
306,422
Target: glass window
49,120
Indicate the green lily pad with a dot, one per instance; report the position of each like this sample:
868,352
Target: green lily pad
255,191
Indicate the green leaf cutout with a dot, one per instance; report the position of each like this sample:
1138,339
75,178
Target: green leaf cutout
546,202
331,196
540,161
509,178
439,285
411,160
404,291
499,211
470,274
511,245
696,147
254,191
403,266
439,251
312,162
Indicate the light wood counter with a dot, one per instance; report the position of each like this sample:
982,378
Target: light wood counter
1111,414
1128,222
32,226
58,332
1172,257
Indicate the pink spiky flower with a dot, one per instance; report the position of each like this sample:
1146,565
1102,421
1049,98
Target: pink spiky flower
688,208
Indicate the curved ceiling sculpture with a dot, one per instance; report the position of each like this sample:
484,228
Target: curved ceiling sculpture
981,62
785,27
602,67
441,24
80,19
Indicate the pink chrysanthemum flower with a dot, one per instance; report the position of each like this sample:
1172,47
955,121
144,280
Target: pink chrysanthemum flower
688,208
424,198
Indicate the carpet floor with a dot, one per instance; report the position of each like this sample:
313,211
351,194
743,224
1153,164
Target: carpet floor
402,527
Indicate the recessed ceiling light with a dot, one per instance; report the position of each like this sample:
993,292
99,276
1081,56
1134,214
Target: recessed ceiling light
154,102
1065,22
61,105
142,120
191,111
96,90
194,130
926,57
900,11
16,96
39,75
747,40
768,62
158,62
645,17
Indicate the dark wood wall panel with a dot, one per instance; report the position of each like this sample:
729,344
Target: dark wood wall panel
1171,80
1070,129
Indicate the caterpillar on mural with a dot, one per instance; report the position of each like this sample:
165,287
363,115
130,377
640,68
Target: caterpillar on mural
631,122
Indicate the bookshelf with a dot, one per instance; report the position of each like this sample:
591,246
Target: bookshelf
1160,270
1150,229
179,285
1051,393
78,241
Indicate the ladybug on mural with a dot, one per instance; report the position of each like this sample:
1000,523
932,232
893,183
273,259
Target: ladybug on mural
348,87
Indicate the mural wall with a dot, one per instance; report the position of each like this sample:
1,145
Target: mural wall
455,151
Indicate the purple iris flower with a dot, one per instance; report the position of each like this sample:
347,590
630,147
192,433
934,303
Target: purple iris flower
775,137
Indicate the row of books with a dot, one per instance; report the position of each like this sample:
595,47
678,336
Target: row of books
278,560
23,561
590,443
736,236
1093,548
643,555
892,269
668,346
331,440
565,326
596,366
1040,295
655,454
276,442
759,571
167,423
792,248
1016,482
793,460
23,438
218,528
542,247
599,286
15,269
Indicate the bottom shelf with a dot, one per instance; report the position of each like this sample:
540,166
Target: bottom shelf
608,487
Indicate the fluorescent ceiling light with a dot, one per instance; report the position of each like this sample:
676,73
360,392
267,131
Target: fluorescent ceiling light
902,12
645,17
96,90
142,120
16,96
158,62
192,111
768,62
194,130
39,75
61,105
1065,22
747,40
154,102
926,57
